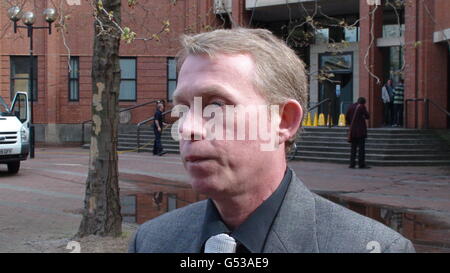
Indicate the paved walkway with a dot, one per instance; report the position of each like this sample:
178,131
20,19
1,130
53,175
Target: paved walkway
44,200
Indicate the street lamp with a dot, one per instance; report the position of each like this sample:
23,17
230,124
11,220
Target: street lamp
28,19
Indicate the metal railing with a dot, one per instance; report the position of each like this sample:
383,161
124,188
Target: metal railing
138,135
426,102
123,110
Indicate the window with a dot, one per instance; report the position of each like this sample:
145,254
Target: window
171,77
127,79
351,34
20,71
322,36
74,79
393,31
336,63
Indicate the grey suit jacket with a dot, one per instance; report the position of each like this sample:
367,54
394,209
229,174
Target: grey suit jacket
306,222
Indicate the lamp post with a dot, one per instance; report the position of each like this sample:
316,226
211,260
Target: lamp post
28,19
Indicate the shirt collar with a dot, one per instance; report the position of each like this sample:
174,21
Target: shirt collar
253,232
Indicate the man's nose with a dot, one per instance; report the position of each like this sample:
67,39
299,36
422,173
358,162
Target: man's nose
191,127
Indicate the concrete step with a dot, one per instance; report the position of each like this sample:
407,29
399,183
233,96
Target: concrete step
386,130
371,136
377,162
342,143
370,156
374,150
384,146
375,140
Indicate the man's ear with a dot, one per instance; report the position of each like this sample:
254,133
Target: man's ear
290,116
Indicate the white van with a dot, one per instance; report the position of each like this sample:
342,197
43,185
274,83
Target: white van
14,131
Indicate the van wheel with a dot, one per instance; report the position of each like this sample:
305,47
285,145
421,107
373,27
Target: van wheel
13,167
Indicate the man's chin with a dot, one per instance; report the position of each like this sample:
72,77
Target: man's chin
206,186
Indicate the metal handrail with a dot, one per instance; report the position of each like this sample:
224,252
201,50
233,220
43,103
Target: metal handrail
123,110
426,101
320,103
439,107
138,137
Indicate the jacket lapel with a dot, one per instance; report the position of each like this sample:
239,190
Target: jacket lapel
294,228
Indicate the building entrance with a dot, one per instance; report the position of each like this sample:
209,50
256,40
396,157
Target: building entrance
339,87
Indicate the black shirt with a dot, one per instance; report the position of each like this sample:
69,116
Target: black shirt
252,234
158,117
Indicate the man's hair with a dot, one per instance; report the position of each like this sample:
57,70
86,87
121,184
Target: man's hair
361,100
280,74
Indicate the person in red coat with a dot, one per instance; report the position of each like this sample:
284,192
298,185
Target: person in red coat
356,117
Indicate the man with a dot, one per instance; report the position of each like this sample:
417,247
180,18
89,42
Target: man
256,203
398,104
387,94
356,117
158,126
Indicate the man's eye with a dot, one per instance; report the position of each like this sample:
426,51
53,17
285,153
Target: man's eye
217,103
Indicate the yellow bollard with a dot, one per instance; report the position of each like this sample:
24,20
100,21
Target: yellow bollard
329,120
304,122
321,120
316,120
341,120
308,120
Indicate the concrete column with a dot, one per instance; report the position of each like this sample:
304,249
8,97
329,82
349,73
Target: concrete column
371,59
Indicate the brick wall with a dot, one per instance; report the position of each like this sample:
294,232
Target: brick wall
53,106
441,10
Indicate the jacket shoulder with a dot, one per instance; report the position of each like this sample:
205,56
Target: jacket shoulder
174,231
342,230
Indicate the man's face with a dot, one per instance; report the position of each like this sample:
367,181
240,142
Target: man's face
218,167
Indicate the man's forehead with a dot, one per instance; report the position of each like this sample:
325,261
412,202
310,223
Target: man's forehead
188,93
220,75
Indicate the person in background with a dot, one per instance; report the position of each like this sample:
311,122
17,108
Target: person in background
158,125
387,95
398,104
356,116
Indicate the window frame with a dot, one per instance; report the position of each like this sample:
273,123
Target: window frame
129,79
12,77
169,80
76,79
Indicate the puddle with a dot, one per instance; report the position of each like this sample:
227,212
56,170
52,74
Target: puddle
156,198
429,232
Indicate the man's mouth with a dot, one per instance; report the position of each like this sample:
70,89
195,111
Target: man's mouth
195,159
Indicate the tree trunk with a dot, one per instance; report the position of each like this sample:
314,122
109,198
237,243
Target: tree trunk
101,215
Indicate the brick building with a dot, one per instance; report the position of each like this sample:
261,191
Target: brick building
413,36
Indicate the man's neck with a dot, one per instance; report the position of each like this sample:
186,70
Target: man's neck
236,209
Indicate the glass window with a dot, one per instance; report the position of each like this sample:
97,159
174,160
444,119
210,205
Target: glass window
351,34
127,79
171,77
322,36
20,71
74,79
393,31
336,63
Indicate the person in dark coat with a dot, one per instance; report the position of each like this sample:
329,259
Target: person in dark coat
157,129
356,116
